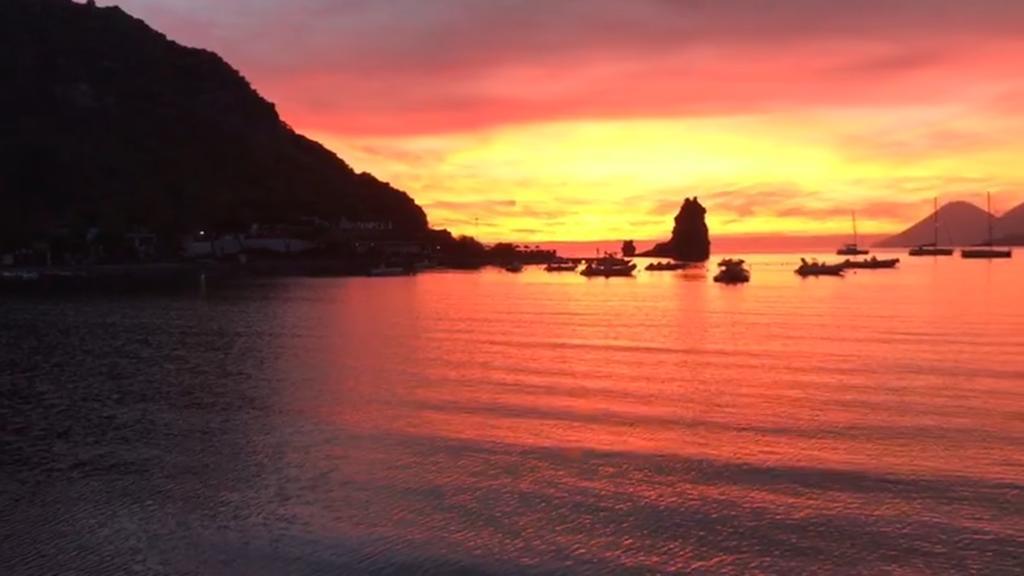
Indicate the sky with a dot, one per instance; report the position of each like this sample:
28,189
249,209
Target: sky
539,120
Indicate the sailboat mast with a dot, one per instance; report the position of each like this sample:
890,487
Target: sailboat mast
935,220
989,218
853,216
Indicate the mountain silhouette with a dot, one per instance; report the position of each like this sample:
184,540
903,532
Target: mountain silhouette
1009,228
110,124
960,224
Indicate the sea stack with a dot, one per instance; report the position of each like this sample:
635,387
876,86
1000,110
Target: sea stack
690,241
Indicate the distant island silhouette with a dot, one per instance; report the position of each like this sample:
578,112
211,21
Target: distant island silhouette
961,224
690,241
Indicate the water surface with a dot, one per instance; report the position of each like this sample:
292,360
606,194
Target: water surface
488,422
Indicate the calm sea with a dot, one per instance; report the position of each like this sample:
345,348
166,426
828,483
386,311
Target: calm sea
489,422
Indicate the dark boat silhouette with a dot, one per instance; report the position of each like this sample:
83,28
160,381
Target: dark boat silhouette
732,271
872,263
665,266
815,268
986,250
932,249
852,249
609,266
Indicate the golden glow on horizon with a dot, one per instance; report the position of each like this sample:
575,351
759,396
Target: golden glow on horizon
607,179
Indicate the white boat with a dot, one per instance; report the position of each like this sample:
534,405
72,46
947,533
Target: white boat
669,266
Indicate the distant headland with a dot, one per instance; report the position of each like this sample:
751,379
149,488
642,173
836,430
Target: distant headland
123,146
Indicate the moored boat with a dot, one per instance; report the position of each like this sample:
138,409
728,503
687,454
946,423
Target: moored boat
986,250
665,266
872,263
815,268
853,249
930,250
933,248
514,267
608,267
732,271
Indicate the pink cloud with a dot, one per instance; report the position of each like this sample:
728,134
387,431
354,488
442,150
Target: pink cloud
407,66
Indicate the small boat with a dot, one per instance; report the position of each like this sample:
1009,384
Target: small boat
815,268
853,249
986,250
514,267
732,271
872,263
930,250
665,266
561,266
592,270
933,248
384,270
609,266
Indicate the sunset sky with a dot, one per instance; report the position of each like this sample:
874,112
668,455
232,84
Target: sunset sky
539,120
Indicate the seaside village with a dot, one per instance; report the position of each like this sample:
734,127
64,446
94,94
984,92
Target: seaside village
306,245
301,238
313,246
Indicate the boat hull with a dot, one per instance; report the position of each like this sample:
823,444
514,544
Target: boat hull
811,273
608,271
930,251
985,254
871,264
664,267
725,277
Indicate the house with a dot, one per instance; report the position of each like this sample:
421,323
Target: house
208,245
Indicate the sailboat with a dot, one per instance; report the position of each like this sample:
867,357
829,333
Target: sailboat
853,249
987,250
932,249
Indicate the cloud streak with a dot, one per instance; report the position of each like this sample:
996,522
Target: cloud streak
407,66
